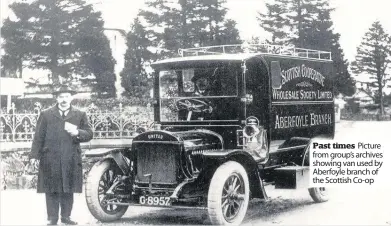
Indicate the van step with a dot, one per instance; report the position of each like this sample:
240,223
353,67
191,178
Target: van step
292,177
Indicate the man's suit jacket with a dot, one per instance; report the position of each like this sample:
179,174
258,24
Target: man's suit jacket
60,167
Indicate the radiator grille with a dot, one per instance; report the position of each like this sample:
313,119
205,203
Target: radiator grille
158,160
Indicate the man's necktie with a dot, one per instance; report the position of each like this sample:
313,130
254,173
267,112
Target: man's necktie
63,113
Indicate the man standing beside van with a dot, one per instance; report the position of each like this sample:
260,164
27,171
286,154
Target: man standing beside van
56,145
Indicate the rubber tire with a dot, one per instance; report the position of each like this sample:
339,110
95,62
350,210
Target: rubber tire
317,195
91,193
215,192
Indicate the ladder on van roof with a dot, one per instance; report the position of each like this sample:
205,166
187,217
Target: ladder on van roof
256,48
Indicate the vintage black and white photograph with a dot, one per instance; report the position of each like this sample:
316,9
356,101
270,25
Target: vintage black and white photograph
195,112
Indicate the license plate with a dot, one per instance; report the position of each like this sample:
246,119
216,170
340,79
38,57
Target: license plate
154,201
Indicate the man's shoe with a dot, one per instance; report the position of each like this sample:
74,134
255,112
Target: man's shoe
52,222
68,221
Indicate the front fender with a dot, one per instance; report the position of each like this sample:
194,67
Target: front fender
247,161
115,154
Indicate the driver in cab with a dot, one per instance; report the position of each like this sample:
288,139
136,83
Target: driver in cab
194,108
202,85
204,82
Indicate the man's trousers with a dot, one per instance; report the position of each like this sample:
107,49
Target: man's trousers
56,200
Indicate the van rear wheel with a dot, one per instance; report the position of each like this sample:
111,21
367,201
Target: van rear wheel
228,195
318,194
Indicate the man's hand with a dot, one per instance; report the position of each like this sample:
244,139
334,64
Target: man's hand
73,132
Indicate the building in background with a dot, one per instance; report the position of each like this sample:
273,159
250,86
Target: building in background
10,88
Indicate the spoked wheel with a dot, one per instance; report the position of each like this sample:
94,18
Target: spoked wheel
318,194
228,195
100,178
233,197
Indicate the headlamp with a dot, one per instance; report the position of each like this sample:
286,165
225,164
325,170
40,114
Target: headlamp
250,131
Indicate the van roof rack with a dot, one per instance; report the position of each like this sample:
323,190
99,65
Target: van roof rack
256,48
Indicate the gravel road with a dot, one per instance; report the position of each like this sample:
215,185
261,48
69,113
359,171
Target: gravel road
347,206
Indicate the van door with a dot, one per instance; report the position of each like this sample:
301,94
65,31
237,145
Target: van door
257,91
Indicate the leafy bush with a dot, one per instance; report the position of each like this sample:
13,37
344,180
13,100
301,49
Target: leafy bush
16,175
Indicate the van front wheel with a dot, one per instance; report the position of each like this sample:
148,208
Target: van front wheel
99,180
228,195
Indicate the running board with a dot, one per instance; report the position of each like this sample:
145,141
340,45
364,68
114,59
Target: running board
292,177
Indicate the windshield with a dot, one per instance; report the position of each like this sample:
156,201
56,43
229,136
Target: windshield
197,93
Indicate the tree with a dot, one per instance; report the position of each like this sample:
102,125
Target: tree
211,26
373,60
96,58
188,23
134,77
307,24
308,12
228,34
57,36
17,39
168,24
343,81
319,35
275,22
287,20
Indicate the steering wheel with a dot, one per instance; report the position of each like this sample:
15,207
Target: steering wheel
194,105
